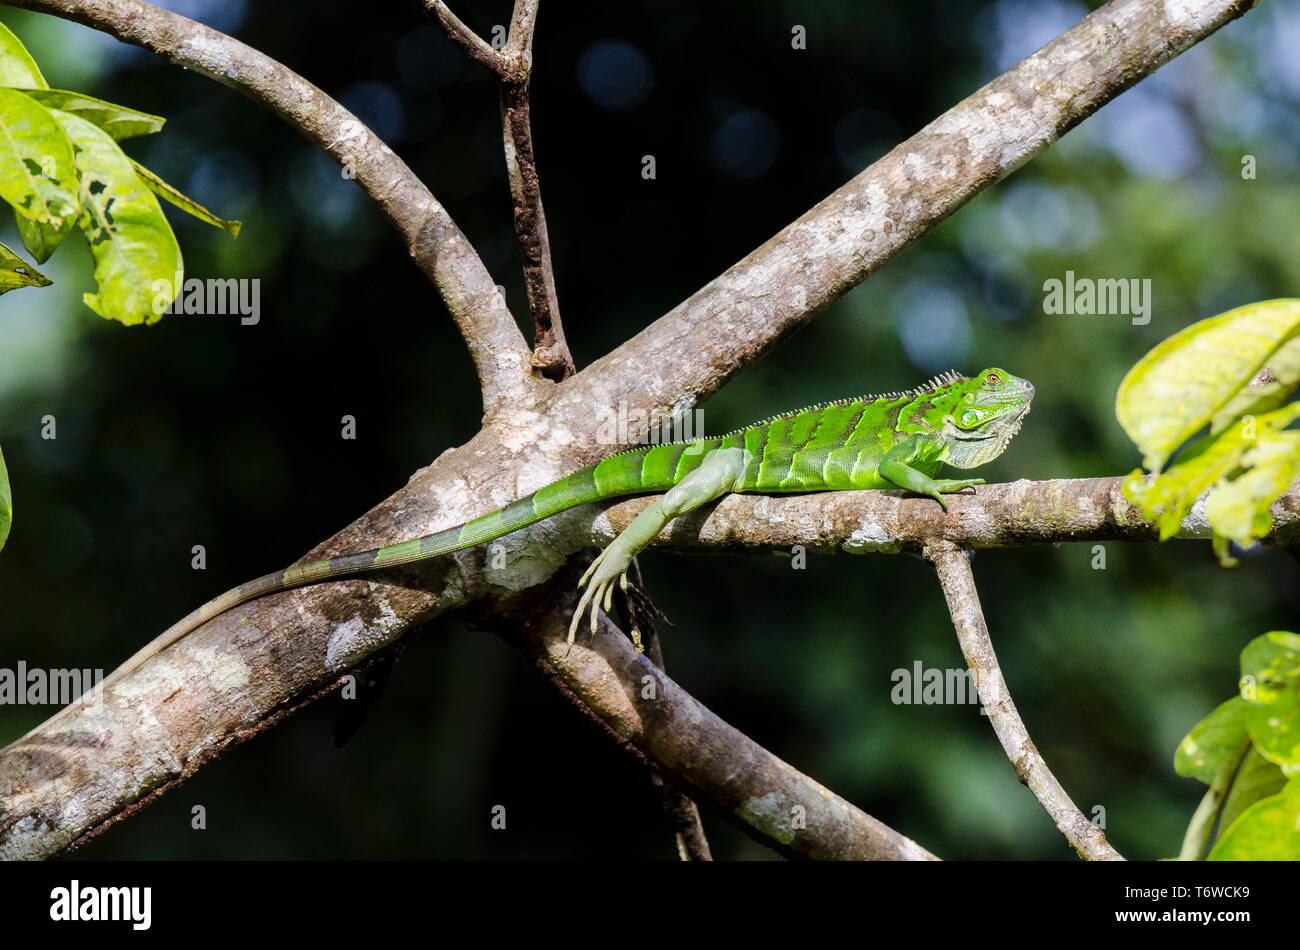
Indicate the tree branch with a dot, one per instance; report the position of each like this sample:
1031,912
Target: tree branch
878,522
221,684
952,564
686,742
470,43
688,354
551,358
635,604
438,246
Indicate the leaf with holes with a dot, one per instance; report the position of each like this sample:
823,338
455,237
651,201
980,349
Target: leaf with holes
37,173
16,272
137,260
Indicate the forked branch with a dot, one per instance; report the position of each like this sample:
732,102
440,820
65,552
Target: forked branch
952,564
513,67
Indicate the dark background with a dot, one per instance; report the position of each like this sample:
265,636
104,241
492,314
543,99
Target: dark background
202,431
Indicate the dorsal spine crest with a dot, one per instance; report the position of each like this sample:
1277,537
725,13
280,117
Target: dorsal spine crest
931,385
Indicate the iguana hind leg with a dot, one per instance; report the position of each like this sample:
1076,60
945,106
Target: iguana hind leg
719,474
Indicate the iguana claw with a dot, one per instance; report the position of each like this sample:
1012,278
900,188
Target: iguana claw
609,566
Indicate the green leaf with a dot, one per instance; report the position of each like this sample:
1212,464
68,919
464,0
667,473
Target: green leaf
1270,666
1215,743
6,502
1240,509
1168,497
137,260
1269,830
1270,676
183,201
1257,778
40,239
17,68
1268,389
16,272
118,121
1180,386
37,173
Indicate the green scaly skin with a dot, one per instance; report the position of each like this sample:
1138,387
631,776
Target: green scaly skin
896,440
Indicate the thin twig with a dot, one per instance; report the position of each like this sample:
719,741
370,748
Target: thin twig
952,564
470,43
692,844
551,356
513,66
519,44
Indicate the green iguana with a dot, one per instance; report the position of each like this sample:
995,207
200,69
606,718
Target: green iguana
894,440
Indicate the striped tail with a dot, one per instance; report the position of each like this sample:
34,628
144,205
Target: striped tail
656,468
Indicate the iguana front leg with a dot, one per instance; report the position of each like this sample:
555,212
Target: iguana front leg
895,468
719,474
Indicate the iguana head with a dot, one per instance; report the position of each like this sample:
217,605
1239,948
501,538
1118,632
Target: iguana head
985,412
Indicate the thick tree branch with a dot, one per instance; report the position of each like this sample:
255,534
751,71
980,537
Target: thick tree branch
952,564
438,246
877,522
223,682
686,742
688,354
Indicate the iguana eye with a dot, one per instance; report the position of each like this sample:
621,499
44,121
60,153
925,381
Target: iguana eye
970,417
992,379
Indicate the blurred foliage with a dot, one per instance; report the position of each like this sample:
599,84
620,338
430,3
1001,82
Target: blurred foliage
203,431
